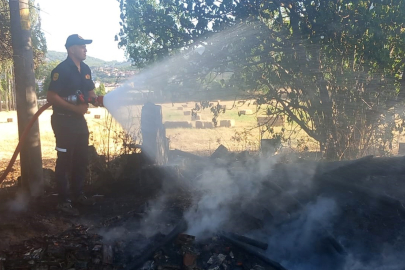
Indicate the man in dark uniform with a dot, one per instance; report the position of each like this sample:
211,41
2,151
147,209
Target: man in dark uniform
68,122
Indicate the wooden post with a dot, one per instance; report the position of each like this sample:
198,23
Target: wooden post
154,142
30,157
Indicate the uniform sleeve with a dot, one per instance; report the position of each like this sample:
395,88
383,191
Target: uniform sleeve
89,80
56,84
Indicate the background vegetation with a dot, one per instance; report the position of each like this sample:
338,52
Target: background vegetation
332,67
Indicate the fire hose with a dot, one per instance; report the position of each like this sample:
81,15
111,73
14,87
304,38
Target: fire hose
78,98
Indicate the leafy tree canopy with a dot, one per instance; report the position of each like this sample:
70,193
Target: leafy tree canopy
37,36
332,67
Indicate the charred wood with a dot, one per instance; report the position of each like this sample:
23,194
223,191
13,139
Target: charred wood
364,166
335,183
150,251
342,166
178,153
246,240
348,178
221,152
294,206
254,252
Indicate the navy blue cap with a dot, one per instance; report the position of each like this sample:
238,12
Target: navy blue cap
75,39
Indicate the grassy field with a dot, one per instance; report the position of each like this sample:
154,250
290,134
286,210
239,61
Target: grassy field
9,132
107,136
187,139
9,137
243,136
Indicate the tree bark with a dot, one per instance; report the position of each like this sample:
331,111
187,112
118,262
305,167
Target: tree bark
11,90
9,97
6,95
30,157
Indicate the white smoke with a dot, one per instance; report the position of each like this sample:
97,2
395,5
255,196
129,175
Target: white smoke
225,192
113,234
294,244
389,259
19,203
156,219
212,209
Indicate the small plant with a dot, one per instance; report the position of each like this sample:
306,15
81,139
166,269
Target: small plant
243,139
112,141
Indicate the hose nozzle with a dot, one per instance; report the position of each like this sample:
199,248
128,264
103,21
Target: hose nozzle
79,98
99,101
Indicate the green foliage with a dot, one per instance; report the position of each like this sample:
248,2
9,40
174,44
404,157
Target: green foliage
152,30
38,40
100,91
6,85
43,74
52,56
332,67
6,51
37,36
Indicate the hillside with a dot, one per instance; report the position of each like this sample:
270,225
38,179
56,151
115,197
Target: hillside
91,61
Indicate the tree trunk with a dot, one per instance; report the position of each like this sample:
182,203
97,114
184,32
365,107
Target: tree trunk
6,100
31,159
9,98
12,90
326,129
329,133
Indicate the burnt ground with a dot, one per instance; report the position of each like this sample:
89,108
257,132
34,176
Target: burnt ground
346,215
124,187
40,216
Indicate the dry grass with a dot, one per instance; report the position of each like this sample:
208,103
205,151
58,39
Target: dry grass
106,134
241,137
9,132
244,136
203,141
9,138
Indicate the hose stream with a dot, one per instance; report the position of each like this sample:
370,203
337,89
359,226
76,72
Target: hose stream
22,139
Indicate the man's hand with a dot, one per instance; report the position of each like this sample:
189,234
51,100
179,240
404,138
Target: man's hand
56,100
81,108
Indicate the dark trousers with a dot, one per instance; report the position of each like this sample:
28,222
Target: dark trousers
71,164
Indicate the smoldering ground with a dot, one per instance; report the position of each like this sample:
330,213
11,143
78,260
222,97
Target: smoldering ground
307,227
19,203
304,227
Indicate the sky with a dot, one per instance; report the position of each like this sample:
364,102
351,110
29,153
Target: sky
92,19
